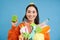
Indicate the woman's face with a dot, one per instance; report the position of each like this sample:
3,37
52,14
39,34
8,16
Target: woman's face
31,13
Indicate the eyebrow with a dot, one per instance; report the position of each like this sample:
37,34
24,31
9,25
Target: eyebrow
30,10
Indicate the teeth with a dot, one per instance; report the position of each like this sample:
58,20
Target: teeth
30,17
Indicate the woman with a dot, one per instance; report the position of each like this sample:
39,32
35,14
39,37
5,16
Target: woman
31,16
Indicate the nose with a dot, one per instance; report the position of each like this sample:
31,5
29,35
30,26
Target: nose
31,13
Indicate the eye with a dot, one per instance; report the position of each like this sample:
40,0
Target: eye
33,11
29,11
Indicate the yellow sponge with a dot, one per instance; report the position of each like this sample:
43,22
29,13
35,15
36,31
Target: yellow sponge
38,36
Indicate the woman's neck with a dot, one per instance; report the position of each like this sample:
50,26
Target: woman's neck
30,21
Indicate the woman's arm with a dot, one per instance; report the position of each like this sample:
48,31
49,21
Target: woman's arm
13,32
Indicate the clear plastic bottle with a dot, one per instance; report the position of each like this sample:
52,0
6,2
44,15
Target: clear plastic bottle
45,27
44,23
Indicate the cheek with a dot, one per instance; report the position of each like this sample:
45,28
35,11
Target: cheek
27,14
35,15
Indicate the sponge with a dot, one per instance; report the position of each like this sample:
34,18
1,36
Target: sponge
14,18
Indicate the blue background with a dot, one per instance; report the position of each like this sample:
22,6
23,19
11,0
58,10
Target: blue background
47,9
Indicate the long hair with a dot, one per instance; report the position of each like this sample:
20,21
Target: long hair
36,21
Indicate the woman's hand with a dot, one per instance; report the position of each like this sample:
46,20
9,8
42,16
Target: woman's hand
20,37
14,23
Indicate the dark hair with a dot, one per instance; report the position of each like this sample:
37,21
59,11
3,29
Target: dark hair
36,21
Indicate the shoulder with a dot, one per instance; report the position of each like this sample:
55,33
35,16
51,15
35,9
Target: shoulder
21,24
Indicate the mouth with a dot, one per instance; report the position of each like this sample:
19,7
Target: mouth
31,17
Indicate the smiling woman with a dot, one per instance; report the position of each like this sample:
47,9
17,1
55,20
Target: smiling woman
32,13
24,29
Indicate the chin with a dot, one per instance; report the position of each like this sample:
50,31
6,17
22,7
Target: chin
30,19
